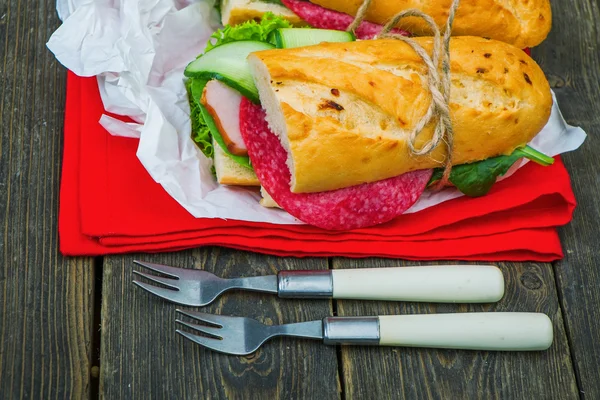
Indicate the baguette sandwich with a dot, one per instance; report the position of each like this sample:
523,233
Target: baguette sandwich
324,128
234,12
522,24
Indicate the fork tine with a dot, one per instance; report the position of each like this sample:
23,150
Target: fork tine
201,340
204,317
163,269
164,281
166,294
209,330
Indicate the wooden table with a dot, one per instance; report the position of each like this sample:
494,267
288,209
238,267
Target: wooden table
76,327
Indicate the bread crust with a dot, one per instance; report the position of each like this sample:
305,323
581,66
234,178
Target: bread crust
231,173
267,201
520,23
235,12
343,110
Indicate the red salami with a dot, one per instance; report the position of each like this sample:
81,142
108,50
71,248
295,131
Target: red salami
343,209
323,18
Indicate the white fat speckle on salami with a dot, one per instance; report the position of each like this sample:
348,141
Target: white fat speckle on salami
343,209
324,18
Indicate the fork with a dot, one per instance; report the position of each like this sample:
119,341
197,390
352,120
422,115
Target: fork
441,284
500,331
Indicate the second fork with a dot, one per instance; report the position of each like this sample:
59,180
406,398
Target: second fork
500,331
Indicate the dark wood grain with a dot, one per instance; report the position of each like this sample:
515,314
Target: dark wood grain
45,300
143,357
571,58
457,374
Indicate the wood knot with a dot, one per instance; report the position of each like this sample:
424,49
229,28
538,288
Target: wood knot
556,82
531,280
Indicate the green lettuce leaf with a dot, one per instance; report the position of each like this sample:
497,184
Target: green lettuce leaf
278,2
476,179
203,125
249,30
200,132
244,161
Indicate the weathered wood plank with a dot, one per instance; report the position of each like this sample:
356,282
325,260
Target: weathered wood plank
454,374
143,357
572,59
45,300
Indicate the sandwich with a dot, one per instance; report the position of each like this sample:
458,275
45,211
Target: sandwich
320,121
522,24
235,12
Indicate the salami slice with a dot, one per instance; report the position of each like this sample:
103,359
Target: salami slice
324,18
343,209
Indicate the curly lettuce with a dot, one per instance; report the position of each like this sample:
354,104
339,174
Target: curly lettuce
200,131
249,30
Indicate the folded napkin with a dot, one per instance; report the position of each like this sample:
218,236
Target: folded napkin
109,204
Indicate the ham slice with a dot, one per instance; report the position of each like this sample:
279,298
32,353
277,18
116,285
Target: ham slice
223,104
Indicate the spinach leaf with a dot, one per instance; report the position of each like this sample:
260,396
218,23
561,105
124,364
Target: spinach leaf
476,179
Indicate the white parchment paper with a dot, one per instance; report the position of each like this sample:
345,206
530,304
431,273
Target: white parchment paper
138,50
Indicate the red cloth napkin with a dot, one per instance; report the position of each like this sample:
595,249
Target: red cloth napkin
109,204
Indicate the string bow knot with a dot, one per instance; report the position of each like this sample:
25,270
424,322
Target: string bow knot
438,83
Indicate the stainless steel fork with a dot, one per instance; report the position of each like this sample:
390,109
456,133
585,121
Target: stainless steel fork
441,284
474,331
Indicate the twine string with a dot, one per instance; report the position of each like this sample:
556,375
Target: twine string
438,84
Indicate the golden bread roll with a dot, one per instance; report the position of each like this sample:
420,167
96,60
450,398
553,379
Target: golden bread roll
343,111
520,23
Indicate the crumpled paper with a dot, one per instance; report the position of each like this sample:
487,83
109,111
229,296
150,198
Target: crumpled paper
138,50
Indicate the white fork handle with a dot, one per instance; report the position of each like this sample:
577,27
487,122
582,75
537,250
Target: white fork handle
441,284
475,331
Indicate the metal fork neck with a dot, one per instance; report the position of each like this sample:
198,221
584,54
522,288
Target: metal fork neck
333,330
266,284
311,329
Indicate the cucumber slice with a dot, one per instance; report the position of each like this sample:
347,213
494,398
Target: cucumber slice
287,38
227,63
244,161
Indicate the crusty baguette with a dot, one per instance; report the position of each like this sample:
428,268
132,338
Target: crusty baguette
235,12
520,23
343,110
231,173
